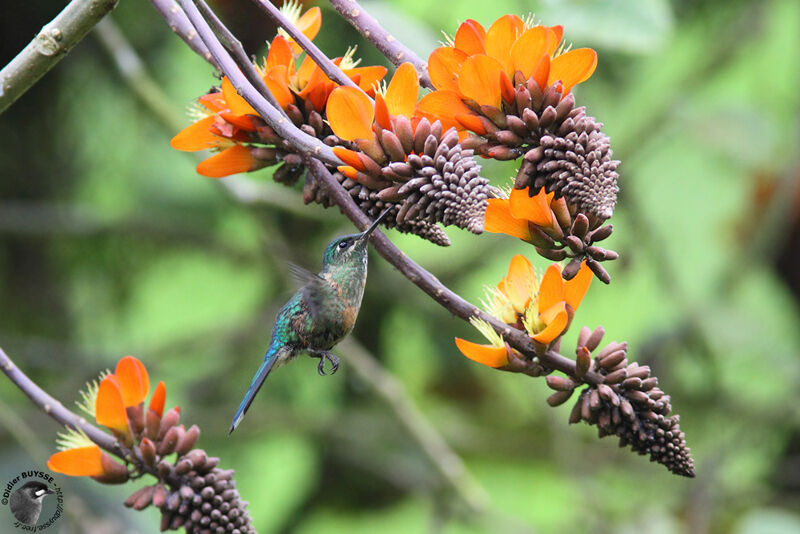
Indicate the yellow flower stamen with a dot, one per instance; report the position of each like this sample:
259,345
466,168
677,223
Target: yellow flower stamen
488,332
529,21
89,395
449,40
347,60
197,112
73,438
291,10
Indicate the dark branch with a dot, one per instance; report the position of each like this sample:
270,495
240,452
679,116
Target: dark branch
328,67
303,142
394,50
179,23
55,409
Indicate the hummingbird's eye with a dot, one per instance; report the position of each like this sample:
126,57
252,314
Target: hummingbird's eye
344,244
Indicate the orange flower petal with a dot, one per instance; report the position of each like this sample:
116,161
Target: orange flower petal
277,81
558,32
213,102
382,116
280,53
500,37
443,106
535,209
319,95
479,80
519,282
470,37
242,122
575,289
403,91
556,323
159,398
236,103
541,71
498,220
197,136
528,50
350,113
350,157
133,380
348,171
369,76
485,354
551,289
310,22
444,65
572,67
232,160
309,25
305,71
80,462
109,407
471,122
506,88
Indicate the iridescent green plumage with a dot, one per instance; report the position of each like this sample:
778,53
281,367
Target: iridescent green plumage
320,314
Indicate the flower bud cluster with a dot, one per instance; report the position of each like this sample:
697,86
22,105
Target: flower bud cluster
564,150
191,491
627,403
423,173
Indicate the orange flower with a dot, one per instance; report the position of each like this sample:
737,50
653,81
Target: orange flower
519,213
308,23
542,307
351,113
228,123
109,402
480,67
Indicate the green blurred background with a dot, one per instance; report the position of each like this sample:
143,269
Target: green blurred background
111,244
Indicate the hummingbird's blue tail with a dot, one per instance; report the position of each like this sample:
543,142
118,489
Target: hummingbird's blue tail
270,358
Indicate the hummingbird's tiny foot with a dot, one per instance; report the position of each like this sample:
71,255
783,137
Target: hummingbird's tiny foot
325,355
334,362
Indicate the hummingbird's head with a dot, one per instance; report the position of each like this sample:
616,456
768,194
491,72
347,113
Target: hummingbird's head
350,248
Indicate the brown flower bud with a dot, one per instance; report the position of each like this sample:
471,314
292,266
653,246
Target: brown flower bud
559,397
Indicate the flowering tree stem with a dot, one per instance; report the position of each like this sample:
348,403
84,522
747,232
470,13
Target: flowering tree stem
394,50
50,45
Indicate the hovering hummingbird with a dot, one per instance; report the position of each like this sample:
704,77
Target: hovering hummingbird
320,314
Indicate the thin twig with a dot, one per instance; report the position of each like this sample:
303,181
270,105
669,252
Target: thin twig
394,50
50,45
179,23
55,409
328,67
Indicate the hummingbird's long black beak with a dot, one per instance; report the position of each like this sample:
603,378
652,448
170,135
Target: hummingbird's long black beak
365,234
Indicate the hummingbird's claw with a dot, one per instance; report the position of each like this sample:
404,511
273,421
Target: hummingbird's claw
325,355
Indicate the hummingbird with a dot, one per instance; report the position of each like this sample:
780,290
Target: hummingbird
320,314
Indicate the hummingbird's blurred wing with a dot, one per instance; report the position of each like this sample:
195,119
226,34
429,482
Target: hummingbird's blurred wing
313,286
303,275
